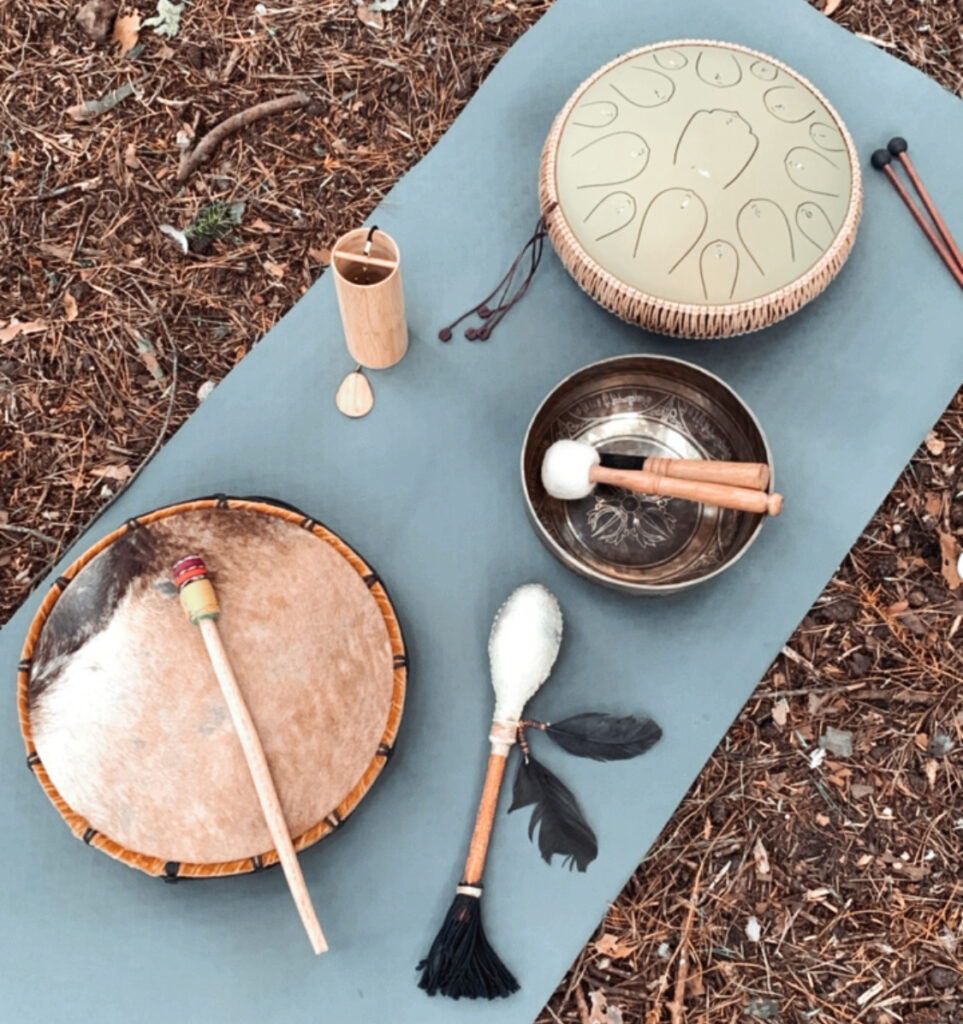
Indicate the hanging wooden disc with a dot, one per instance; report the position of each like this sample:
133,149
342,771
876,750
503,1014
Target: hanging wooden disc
355,397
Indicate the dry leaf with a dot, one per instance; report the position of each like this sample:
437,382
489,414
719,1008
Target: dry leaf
15,328
816,895
167,20
761,857
277,270
610,945
70,306
866,858
780,712
934,504
130,157
126,31
822,819
321,255
262,225
373,19
61,252
935,445
922,740
602,1011
119,473
831,7
950,549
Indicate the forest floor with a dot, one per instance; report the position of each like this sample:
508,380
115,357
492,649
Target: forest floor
785,888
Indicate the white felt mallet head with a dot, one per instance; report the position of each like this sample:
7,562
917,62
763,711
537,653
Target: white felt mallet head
522,647
566,470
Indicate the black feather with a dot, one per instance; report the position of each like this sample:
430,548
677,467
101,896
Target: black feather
605,737
461,962
556,814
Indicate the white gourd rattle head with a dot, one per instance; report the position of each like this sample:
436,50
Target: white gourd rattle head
522,647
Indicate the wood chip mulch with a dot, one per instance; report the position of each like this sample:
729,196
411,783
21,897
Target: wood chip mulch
814,872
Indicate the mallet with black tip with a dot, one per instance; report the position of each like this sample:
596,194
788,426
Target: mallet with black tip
898,147
571,469
881,160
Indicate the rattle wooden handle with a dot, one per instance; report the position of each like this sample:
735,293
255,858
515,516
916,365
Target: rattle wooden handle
485,819
720,495
200,603
754,475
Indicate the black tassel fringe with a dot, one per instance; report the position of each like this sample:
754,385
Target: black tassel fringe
461,962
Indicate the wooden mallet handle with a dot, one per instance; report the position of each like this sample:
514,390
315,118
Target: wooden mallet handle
200,603
721,495
754,475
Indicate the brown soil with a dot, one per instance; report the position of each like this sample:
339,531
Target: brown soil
861,909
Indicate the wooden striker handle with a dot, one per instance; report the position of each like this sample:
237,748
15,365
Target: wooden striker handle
720,495
754,475
485,819
263,784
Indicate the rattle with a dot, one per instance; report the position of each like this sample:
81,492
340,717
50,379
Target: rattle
522,648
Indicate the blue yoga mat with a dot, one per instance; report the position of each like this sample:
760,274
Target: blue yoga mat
427,489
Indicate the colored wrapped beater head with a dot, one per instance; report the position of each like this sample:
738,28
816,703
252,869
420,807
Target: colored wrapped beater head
196,590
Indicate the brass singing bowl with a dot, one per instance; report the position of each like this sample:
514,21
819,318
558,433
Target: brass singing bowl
643,405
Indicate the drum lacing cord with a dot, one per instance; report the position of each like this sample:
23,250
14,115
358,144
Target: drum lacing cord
503,296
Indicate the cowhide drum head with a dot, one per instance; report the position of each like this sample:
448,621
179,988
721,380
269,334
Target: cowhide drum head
123,717
700,189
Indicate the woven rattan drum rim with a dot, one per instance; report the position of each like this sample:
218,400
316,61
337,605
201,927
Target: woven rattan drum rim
688,320
172,870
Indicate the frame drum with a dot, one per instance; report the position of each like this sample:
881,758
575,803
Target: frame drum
123,717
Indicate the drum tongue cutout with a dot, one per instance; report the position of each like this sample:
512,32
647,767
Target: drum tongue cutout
503,297
523,646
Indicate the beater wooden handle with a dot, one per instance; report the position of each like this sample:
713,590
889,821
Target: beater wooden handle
754,475
485,819
720,495
200,603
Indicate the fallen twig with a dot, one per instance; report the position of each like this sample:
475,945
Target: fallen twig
29,532
677,1007
191,159
90,109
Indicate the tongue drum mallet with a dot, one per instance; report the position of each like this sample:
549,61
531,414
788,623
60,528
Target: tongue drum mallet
571,469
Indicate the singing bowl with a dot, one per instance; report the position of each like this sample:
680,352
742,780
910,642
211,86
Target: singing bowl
643,405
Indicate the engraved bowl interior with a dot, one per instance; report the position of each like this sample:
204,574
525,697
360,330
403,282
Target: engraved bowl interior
643,405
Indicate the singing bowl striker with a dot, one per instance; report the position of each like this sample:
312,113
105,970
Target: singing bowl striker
643,405
700,189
